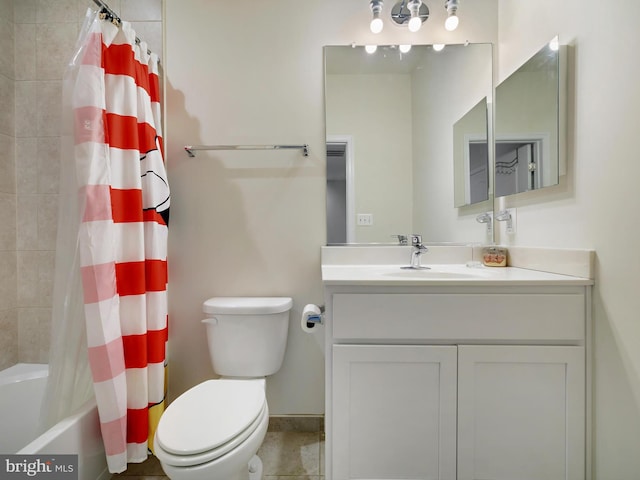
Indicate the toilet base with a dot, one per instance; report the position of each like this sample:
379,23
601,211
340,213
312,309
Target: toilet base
255,468
252,472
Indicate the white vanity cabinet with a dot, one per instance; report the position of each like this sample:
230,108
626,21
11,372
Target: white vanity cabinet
483,382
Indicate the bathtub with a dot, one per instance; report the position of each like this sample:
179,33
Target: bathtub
21,393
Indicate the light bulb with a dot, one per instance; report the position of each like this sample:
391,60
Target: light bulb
376,25
414,24
438,47
370,48
404,48
451,23
554,44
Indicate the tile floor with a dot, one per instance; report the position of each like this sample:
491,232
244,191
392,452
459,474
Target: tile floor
293,449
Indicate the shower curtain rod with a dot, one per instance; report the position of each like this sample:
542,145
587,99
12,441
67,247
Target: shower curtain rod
112,15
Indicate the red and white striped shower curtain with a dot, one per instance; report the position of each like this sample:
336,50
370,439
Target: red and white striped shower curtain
123,235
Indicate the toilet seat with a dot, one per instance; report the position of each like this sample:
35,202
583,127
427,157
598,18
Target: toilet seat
205,457
210,420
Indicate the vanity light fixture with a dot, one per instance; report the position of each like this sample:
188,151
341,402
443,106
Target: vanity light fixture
370,48
404,48
451,23
412,14
438,47
376,24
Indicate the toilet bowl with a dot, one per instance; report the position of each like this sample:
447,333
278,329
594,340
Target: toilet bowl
213,430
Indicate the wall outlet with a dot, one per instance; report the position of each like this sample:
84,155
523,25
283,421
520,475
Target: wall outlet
364,219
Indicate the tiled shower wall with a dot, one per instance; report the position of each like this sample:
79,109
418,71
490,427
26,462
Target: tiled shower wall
8,270
40,36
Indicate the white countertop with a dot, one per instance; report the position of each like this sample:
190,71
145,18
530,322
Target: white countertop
442,274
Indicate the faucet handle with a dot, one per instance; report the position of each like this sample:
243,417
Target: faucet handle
402,239
484,218
416,239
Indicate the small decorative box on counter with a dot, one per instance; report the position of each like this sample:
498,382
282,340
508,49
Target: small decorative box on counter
494,256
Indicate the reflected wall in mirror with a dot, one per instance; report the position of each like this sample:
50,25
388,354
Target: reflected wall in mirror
389,124
471,179
529,124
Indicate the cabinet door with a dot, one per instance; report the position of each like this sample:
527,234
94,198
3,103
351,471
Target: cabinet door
394,412
521,413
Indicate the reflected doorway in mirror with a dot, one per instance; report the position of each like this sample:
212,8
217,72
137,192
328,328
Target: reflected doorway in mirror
519,166
340,190
476,165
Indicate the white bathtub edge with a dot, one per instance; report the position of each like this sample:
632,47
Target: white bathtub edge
41,442
23,371
77,434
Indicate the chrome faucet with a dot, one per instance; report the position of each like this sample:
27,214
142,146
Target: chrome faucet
416,253
505,216
486,218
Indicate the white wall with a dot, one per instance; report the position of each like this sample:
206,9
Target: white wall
597,205
252,223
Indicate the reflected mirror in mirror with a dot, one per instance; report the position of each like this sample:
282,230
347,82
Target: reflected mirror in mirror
471,156
389,124
529,133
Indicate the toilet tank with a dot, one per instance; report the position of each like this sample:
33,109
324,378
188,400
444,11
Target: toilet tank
247,336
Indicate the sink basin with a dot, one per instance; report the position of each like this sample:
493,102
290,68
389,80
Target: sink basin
436,271
431,273
392,274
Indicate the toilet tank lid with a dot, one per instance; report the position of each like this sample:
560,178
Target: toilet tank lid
247,305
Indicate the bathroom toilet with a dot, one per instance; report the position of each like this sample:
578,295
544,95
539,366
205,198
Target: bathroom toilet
213,430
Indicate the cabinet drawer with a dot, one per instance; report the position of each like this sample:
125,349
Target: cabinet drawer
473,317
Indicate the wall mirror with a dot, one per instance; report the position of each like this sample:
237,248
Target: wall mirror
390,119
529,133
